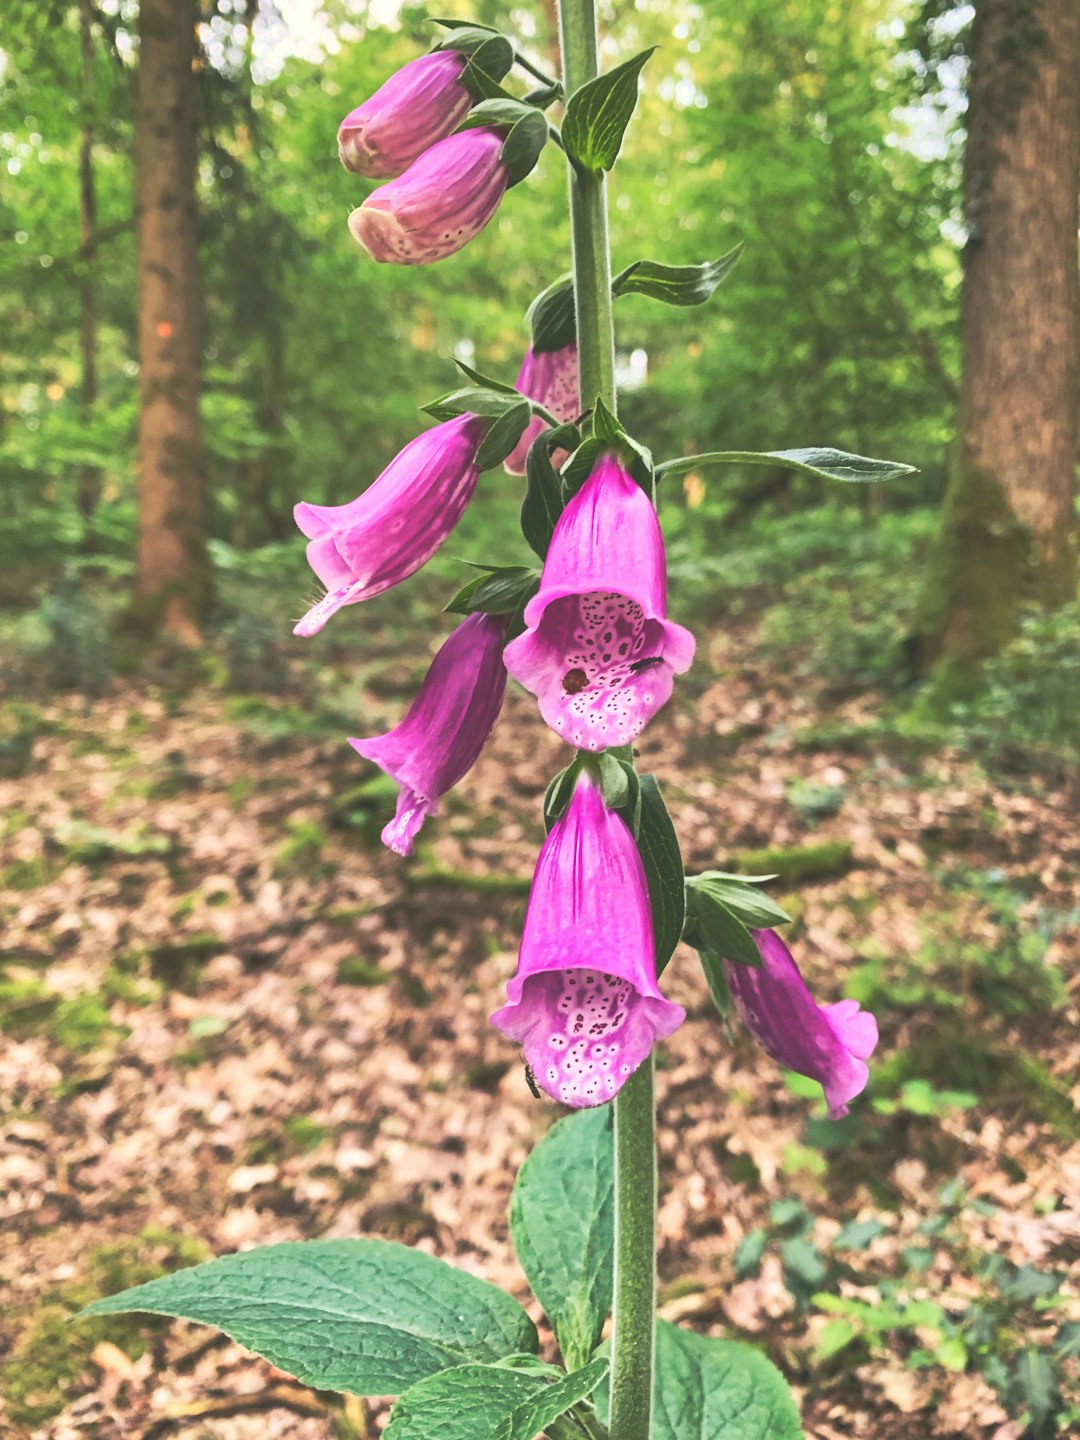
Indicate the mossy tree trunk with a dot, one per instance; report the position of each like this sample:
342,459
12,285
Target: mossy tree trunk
1009,527
173,572
89,475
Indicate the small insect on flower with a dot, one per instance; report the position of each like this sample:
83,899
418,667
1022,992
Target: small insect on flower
574,681
636,666
530,1080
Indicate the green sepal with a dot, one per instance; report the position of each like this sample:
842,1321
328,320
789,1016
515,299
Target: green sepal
488,55
557,795
503,435
675,284
580,465
486,382
543,502
500,590
753,908
544,95
636,457
713,966
660,854
821,463
476,400
711,924
551,316
597,115
620,785
526,132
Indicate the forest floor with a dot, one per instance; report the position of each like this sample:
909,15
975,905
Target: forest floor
232,1018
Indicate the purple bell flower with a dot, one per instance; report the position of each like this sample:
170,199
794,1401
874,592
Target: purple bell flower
584,1003
422,102
551,378
445,728
381,538
441,202
827,1043
599,653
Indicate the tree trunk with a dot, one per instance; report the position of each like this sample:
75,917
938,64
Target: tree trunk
1009,528
89,475
173,572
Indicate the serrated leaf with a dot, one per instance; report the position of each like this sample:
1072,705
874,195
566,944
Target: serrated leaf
551,316
822,463
597,115
562,1222
707,1389
489,1402
503,435
366,1316
659,847
711,924
675,284
756,910
498,592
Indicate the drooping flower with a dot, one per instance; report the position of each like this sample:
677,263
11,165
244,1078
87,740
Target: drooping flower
584,1003
445,727
421,103
441,202
385,535
599,653
827,1043
551,378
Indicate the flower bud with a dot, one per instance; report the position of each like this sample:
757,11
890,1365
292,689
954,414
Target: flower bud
421,103
441,202
445,728
385,535
550,377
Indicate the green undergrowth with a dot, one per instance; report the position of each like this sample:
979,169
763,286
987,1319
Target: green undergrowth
48,1352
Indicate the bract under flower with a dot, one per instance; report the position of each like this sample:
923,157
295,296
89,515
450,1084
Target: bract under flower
385,535
585,1003
442,201
421,103
550,377
599,653
445,728
827,1043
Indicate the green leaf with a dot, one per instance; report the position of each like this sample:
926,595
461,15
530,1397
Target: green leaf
754,909
475,400
523,145
551,316
558,793
659,847
487,63
485,382
712,924
505,113
635,456
597,115
715,978
580,465
501,591
823,464
562,1222
543,502
706,1389
503,435
675,284
1037,1387
366,1316
489,1402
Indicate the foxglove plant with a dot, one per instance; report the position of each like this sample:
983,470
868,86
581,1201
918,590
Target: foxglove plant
590,637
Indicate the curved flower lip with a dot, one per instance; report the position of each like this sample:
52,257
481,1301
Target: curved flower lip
441,202
419,104
598,652
827,1043
446,726
386,534
551,378
584,1002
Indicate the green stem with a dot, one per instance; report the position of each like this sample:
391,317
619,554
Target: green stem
588,218
635,1117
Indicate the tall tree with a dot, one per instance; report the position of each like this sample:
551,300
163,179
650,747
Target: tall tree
1009,527
89,475
173,570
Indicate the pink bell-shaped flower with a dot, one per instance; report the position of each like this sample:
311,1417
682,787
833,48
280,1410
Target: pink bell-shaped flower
445,728
599,653
442,201
421,103
584,1003
550,377
381,538
827,1043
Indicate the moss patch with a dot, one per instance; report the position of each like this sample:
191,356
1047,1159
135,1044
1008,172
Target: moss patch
796,864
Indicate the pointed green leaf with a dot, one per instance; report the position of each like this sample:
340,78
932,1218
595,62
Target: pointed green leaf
523,145
597,115
365,1316
503,435
659,846
543,502
562,1222
551,316
499,591
489,1402
712,924
753,907
675,284
823,464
